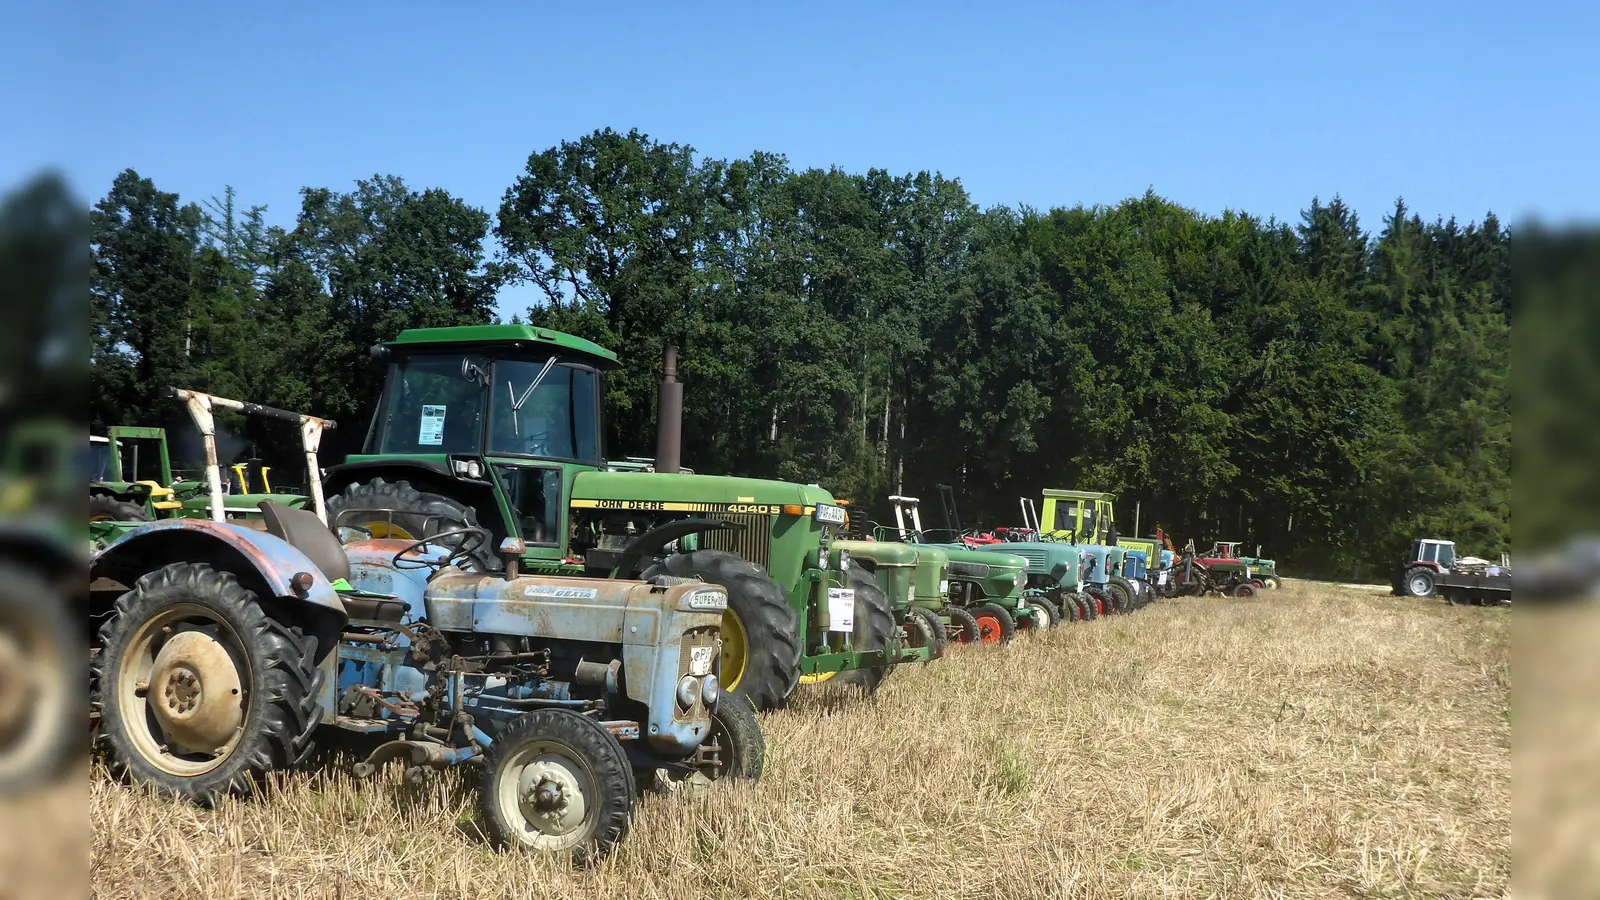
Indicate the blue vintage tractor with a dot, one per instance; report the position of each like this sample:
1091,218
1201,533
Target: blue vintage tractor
223,650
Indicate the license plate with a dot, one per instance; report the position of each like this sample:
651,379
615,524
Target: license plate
842,610
700,659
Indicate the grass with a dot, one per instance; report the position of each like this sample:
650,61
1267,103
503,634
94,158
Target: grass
1318,742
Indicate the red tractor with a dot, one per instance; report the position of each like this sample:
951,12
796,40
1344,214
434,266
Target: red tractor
1418,575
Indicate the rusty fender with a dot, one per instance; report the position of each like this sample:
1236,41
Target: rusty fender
261,561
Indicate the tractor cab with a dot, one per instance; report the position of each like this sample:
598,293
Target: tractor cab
1441,554
1084,516
499,417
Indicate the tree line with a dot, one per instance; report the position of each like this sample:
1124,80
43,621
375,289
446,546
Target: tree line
1312,387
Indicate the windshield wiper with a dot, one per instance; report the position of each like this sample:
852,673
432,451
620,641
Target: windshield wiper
516,404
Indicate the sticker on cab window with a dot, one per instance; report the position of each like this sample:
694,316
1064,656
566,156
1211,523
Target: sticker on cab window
431,433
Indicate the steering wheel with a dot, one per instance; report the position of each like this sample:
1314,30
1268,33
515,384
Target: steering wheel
471,540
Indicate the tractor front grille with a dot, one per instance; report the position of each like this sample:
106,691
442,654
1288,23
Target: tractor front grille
753,541
969,570
1037,564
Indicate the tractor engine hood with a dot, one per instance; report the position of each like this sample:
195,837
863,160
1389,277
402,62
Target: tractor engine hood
690,493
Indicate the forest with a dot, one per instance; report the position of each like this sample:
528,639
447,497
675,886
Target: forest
1322,388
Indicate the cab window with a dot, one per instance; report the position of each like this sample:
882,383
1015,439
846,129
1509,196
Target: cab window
551,411
432,407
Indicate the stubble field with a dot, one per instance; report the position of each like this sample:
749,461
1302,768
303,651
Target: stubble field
1318,741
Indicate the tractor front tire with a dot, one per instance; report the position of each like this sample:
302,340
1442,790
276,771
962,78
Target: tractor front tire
398,510
1121,594
995,624
106,508
201,690
930,621
876,628
760,647
1271,583
1046,612
557,781
1420,582
964,624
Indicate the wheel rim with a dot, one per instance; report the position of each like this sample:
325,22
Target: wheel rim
989,631
182,690
735,650
1419,584
547,794
32,693
1041,617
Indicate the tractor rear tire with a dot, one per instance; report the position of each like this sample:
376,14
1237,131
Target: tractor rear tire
941,640
995,625
965,625
104,507
1419,582
41,680
760,646
200,690
565,752
1050,612
415,514
876,628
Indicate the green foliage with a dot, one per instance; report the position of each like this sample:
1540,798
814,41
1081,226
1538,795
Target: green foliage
1310,387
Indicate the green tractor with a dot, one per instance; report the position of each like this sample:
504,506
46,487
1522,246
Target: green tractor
501,425
987,601
133,479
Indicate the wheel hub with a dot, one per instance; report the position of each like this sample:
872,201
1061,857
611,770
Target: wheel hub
195,692
550,799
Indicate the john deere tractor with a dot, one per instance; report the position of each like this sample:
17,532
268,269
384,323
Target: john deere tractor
501,425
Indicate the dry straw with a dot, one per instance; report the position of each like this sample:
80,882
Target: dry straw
1316,742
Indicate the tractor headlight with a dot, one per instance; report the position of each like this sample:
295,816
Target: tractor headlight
844,560
688,691
469,468
1021,580
822,558
710,690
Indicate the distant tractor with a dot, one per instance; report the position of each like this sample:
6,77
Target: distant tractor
1418,576
1434,569
500,426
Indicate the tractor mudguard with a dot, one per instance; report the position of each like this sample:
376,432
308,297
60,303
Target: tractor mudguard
263,563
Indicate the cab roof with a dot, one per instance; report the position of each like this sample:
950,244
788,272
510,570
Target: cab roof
502,337
1076,495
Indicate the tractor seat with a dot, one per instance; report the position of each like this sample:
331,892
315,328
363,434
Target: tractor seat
306,533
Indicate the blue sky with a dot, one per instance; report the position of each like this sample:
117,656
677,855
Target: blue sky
1460,107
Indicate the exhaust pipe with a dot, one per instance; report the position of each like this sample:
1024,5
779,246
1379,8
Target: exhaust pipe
669,415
